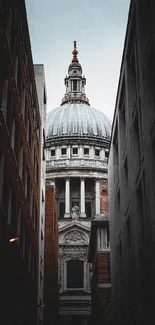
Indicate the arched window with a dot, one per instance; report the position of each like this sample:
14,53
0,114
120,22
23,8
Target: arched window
104,193
75,274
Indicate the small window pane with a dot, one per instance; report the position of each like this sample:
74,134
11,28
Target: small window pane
63,151
97,152
75,151
86,151
53,152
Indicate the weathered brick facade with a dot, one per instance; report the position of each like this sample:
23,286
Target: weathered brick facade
19,168
51,287
99,256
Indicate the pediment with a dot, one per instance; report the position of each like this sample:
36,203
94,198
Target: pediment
74,234
84,226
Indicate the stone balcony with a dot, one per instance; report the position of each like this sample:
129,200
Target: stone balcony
76,163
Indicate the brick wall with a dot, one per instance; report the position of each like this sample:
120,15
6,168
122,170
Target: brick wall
100,294
51,288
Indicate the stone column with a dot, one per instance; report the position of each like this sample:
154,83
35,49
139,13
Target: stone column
67,198
97,196
82,198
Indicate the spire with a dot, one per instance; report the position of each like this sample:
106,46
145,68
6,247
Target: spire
75,52
75,82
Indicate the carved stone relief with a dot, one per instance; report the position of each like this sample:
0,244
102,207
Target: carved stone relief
75,237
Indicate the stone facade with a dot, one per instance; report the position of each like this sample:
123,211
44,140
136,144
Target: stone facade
132,174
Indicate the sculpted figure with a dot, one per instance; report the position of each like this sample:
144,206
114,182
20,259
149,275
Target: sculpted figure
75,212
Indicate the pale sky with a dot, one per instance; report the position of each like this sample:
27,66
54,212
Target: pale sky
99,28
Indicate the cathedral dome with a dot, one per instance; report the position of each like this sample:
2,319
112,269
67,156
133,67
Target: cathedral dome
77,120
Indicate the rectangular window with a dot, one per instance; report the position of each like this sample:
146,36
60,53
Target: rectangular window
52,152
97,152
75,151
75,267
61,209
107,154
63,151
74,85
86,151
88,209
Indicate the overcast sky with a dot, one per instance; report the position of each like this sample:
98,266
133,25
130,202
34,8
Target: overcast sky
99,28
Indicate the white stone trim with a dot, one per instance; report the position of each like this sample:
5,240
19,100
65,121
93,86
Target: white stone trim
104,285
67,198
97,196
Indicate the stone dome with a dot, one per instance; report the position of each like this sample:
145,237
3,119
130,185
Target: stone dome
79,121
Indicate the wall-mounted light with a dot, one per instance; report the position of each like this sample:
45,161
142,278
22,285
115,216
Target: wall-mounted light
13,239
41,305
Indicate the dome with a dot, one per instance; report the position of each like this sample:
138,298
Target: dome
78,121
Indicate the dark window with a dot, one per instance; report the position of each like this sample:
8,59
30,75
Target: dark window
63,151
75,274
88,209
97,152
61,209
53,152
74,85
75,151
107,154
86,151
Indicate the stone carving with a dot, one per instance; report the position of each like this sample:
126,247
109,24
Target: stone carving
75,212
73,255
75,237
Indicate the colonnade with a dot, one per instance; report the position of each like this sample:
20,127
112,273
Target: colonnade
82,197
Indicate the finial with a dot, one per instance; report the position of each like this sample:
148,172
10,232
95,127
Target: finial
74,45
75,52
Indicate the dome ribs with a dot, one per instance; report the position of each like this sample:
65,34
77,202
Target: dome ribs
77,120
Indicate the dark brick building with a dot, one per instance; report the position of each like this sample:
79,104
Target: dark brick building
51,287
19,169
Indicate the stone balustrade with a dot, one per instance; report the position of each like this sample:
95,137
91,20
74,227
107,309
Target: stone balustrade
76,163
